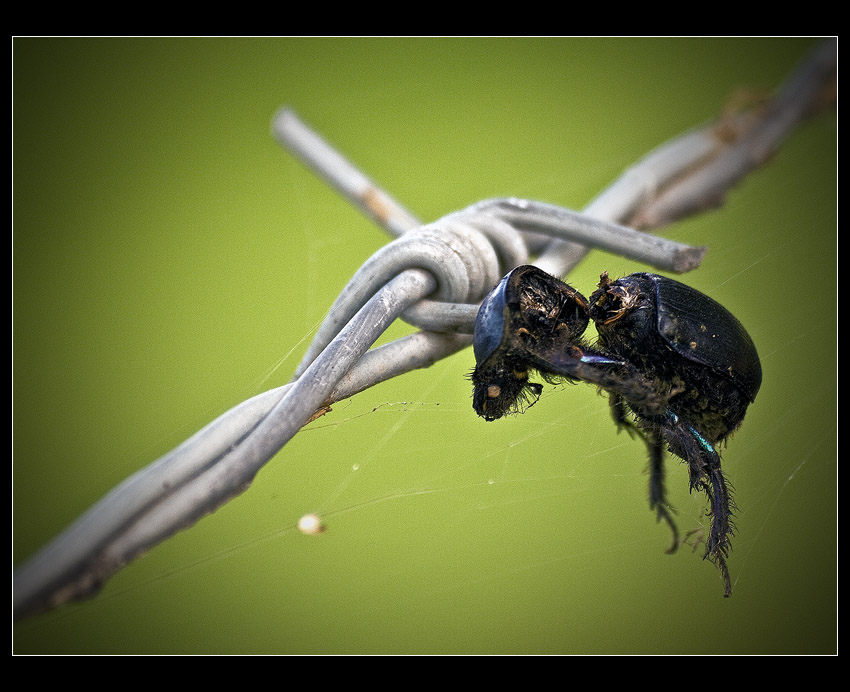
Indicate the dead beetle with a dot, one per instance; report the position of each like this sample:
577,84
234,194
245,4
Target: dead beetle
525,304
533,321
679,369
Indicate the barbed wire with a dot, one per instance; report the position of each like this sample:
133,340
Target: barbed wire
432,276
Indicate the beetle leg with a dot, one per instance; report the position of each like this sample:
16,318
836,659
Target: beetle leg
657,492
620,413
721,527
711,480
655,447
616,377
707,476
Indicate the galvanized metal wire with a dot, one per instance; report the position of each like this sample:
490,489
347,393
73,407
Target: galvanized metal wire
433,276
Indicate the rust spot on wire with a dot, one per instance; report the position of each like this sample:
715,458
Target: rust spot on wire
376,204
743,111
319,413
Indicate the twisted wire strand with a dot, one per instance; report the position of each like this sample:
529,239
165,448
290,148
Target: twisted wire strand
460,258
459,251
220,461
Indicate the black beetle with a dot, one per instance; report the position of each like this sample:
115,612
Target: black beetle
679,368
525,304
533,321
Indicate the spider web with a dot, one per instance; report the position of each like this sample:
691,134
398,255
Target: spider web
531,534
540,516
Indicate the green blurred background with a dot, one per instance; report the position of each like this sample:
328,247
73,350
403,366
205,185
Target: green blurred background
170,260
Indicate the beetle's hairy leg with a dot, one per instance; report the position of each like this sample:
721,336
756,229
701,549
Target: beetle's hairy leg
657,492
718,545
707,476
620,414
655,447
616,377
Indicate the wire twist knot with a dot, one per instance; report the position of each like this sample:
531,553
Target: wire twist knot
464,256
